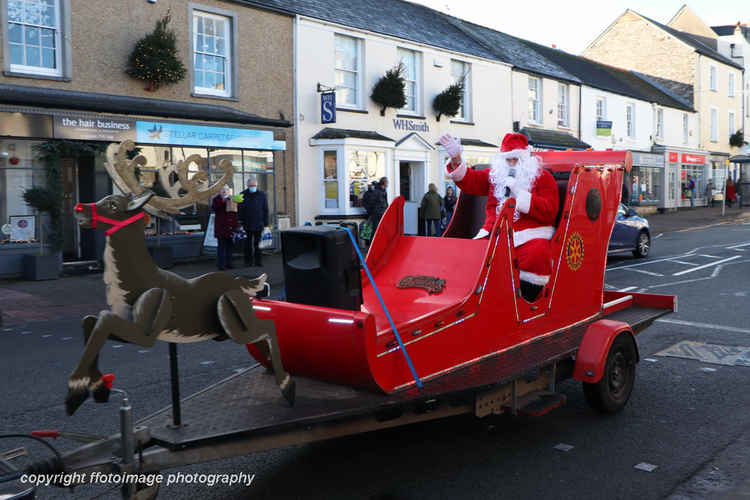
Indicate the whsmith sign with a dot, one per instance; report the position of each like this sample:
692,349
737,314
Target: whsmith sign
410,125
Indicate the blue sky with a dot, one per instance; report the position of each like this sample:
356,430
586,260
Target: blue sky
572,25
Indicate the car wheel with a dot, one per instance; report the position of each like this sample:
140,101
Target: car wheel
642,245
612,392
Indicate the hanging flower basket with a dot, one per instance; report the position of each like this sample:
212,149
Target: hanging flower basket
154,58
390,91
737,139
448,102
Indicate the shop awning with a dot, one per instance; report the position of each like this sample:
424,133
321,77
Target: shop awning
21,95
740,159
341,133
552,139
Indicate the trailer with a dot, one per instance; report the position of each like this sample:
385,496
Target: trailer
476,348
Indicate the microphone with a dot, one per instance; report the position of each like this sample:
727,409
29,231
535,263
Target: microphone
511,173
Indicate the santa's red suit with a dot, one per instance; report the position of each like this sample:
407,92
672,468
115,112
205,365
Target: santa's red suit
537,203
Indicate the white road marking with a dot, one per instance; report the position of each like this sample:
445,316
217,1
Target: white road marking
645,272
26,333
66,338
707,369
659,235
7,329
563,447
45,336
649,262
116,346
736,247
717,270
646,467
703,325
680,273
651,360
683,262
709,256
627,289
206,363
143,351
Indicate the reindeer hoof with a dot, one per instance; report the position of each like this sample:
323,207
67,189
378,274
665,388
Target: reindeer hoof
288,390
99,391
76,397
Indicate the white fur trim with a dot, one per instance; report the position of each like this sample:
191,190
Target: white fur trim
532,233
523,201
481,234
534,279
527,170
459,173
79,383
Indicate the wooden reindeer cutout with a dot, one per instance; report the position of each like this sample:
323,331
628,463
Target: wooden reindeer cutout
147,303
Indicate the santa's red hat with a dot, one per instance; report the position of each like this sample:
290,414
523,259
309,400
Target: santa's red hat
514,141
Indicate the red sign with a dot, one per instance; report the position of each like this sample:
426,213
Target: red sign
673,157
693,159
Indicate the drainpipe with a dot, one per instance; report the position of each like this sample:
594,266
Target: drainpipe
580,100
297,134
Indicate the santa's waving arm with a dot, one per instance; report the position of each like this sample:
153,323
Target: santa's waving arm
476,182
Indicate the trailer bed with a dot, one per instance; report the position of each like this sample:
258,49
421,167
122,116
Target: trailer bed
250,403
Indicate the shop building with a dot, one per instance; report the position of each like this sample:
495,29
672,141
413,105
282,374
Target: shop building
222,109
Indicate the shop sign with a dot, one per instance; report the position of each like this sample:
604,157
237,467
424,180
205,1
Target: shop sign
693,159
183,134
86,128
328,107
25,125
648,160
410,125
603,128
22,227
674,157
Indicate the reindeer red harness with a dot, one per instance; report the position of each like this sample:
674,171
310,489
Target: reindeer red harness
116,224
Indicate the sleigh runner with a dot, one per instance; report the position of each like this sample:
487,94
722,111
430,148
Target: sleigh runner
442,329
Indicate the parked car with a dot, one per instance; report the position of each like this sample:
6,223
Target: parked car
631,232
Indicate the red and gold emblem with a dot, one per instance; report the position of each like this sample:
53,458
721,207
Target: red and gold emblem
574,251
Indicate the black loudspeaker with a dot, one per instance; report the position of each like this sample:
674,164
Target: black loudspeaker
321,268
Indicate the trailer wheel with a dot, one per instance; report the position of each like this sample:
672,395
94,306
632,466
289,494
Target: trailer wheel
612,392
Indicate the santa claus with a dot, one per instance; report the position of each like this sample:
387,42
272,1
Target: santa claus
515,173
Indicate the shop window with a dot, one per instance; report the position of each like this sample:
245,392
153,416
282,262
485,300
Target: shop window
19,171
411,61
234,156
535,100
647,185
462,71
697,173
214,68
563,104
348,71
330,179
363,167
35,39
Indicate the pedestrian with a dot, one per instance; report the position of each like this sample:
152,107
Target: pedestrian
691,190
431,204
368,203
710,193
380,203
253,212
225,222
731,192
449,205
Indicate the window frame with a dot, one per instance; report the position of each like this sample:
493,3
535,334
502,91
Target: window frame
563,90
417,111
603,100
630,120
713,124
732,122
660,123
359,47
231,70
685,128
465,112
731,84
63,47
538,106
713,78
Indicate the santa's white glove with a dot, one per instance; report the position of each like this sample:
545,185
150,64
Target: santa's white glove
451,144
511,183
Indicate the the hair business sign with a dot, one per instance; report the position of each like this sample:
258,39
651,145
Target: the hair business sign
105,128
183,134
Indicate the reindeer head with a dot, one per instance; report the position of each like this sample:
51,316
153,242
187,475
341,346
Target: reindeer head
112,213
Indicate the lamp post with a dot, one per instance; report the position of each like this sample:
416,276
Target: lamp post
724,197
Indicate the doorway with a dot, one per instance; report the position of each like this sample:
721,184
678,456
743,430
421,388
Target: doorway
411,184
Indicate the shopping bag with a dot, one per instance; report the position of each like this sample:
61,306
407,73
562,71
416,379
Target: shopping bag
266,239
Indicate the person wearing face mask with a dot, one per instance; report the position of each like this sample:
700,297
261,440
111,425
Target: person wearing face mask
517,173
253,213
224,223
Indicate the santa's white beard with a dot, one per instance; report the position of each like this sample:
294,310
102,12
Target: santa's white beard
526,171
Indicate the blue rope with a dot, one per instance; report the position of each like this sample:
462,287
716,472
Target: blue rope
382,303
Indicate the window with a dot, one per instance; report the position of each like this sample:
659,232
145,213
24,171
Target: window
363,167
731,84
731,123
462,70
34,37
647,185
212,54
330,179
685,131
535,100
660,123
348,71
714,125
712,78
630,120
601,108
18,176
410,60
563,104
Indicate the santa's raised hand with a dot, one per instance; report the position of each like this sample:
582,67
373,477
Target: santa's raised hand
451,144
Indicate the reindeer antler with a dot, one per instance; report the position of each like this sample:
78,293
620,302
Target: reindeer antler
122,171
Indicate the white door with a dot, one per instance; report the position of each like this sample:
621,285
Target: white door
411,185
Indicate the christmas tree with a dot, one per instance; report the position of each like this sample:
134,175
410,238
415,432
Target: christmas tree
154,58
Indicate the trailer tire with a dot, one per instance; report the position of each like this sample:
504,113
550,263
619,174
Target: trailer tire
611,393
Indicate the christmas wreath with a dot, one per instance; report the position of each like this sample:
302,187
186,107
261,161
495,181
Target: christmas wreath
154,58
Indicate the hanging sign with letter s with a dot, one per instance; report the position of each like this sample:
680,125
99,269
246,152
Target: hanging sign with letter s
328,107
